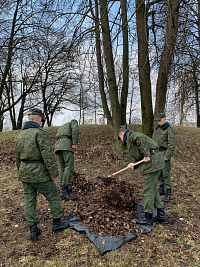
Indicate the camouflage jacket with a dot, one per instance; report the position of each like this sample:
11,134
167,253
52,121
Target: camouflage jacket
165,137
140,146
34,154
67,135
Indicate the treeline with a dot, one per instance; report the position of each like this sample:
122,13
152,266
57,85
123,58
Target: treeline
99,55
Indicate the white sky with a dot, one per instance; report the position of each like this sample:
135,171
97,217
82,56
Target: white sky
64,117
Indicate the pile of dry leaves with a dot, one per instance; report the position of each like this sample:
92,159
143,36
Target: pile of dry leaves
107,208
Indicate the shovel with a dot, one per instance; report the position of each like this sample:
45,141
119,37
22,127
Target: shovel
109,178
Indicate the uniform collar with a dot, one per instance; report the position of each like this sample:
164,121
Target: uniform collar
125,137
30,124
164,126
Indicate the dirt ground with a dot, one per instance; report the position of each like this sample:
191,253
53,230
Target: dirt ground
174,244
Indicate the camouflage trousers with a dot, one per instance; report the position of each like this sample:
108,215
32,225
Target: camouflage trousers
49,191
66,161
150,194
165,178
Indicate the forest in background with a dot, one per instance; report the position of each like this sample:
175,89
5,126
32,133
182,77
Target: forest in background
122,60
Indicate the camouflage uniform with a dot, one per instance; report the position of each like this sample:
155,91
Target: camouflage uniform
140,146
66,136
165,137
36,166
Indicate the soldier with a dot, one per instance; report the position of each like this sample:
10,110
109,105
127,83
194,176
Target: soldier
141,147
66,143
165,137
37,170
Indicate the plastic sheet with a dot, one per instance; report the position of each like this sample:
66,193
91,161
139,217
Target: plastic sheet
108,243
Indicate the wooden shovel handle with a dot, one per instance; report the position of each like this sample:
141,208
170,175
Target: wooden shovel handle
133,164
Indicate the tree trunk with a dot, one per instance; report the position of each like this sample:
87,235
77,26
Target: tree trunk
110,68
11,100
167,55
44,90
144,68
21,112
8,62
182,102
197,97
100,66
199,22
124,92
116,115
1,122
10,49
131,105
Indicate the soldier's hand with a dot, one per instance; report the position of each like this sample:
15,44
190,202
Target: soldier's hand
74,146
130,165
56,178
146,159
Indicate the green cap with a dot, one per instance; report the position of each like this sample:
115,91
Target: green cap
36,111
74,121
122,128
160,116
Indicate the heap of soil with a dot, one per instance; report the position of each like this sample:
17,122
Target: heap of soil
107,208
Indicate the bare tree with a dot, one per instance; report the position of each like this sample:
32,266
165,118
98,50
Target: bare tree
144,67
188,60
171,31
56,60
10,47
116,115
101,79
31,25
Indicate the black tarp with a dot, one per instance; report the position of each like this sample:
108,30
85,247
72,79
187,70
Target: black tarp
108,243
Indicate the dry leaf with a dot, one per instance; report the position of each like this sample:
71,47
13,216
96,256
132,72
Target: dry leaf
103,241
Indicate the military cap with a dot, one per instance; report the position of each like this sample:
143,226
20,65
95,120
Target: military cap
36,111
74,121
122,128
160,116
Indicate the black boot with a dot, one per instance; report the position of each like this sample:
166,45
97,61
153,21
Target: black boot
161,216
60,225
167,196
35,232
161,190
65,194
148,220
